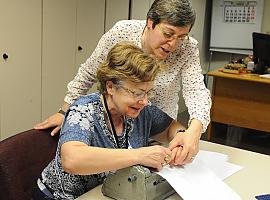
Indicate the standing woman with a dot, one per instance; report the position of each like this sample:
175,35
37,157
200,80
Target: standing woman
165,35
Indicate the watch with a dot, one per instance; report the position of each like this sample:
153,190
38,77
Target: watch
180,131
61,111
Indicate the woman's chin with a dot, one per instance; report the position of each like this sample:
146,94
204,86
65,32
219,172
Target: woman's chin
133,113
160,54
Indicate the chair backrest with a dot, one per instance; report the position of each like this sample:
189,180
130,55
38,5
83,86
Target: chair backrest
22,159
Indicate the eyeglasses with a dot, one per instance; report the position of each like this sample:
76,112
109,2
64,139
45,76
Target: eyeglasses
172,36
139,95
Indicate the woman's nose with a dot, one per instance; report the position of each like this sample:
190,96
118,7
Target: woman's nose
173,43
144,101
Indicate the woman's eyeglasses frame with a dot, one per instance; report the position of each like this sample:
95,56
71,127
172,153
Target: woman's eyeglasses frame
139,95
172,36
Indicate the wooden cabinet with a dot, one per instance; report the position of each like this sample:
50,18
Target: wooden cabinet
20,72
240,100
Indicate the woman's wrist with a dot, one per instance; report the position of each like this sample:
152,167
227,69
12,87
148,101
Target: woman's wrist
61,111
64,108
195,126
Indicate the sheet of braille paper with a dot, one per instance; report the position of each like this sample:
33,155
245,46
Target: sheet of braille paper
203,178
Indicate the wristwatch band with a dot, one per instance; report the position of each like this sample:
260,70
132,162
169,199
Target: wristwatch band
61,111
181,131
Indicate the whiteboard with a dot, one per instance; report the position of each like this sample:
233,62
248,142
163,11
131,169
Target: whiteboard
232,24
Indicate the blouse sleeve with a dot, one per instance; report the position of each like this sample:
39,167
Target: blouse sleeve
77,126
196,95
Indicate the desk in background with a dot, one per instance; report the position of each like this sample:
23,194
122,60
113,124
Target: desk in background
240,100
252,180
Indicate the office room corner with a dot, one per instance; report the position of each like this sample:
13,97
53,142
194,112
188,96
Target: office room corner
246,137
205,113
214,59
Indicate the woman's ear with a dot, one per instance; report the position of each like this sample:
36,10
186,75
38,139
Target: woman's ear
149,23
109,87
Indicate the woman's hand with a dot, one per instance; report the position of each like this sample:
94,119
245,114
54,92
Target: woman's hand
154,156
184,147
55,120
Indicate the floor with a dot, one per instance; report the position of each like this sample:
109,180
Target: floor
243,138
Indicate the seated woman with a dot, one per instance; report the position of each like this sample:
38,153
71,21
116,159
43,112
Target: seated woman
109,130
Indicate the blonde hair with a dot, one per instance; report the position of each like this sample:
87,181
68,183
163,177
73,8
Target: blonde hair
126,61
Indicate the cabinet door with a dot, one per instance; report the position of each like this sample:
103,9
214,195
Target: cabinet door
139,9
58,52
116,10
20,39
90,27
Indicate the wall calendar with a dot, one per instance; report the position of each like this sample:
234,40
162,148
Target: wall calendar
240,11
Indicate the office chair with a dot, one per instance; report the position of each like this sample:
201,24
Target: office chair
22,159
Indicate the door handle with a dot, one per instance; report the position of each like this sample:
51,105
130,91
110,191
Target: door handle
5,56
80,48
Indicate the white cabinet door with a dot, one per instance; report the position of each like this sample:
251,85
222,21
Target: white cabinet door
20,83
58,52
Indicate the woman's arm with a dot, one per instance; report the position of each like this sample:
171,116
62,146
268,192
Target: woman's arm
168,134
196,95
81,159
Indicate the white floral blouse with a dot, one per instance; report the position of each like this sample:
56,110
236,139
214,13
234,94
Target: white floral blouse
184,65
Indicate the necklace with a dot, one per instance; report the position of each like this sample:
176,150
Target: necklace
112,125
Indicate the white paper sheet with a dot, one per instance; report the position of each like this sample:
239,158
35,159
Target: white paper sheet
216,162
199,180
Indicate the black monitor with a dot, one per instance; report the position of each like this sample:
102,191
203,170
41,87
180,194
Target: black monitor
261,52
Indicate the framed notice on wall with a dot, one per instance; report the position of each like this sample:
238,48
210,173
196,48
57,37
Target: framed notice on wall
232,24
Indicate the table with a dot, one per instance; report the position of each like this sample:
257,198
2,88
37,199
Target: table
240,100
252,180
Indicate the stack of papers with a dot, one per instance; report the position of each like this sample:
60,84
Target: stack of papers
203,178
